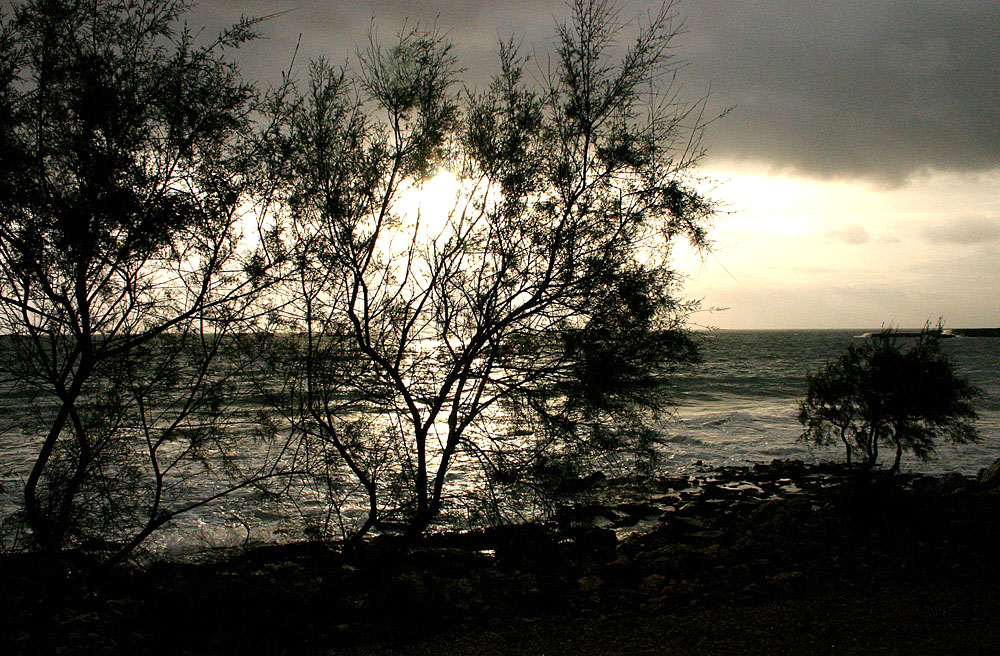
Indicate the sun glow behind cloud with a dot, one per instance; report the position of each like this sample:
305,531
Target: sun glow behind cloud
795,251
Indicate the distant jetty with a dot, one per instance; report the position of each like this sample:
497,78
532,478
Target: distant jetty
976,332
946,333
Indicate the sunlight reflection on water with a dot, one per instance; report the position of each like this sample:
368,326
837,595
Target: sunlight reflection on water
736,407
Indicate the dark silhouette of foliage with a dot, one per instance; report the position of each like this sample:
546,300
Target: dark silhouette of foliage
892,390
527,325
126,167
521,334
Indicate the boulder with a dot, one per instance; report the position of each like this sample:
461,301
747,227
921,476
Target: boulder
654,584
952,482
664,484
572,486
783,579
989,477
638,509
598,543
775,510
589,584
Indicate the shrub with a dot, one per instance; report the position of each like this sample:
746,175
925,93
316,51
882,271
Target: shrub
893,390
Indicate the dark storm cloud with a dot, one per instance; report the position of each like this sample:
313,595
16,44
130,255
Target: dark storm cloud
856,89
336,30
846,88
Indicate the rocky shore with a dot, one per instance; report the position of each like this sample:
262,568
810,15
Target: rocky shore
775,557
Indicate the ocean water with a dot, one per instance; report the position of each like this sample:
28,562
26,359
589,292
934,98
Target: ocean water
740,404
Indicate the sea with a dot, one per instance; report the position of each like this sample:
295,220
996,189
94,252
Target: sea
738,406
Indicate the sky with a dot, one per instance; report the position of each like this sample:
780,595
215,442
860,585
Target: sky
857,170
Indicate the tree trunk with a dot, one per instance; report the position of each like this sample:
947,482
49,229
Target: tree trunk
417,528
40,524
899,457
847,445
46,532
83,460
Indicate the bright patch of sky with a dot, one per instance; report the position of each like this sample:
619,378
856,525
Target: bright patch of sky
810,253
433,202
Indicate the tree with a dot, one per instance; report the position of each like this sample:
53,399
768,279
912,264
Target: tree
526,329
126,166
892,389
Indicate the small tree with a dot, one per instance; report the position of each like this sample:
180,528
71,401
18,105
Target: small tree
529,324
127,162
892,390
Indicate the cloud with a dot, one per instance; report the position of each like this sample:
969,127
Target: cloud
852,89
968,230
853,234
878,91
336,30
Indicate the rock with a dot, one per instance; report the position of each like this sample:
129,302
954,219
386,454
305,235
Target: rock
578,485
989,477
689,524
626,522
600,543
788,465
705,537
952,482
638,509
925,484
654,583
768,511
589,583
664,564
783,580
668,484
693,560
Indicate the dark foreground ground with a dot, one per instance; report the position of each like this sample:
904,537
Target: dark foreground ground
775,559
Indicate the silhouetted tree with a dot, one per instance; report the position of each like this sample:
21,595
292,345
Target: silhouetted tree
893,390
126,167
523,331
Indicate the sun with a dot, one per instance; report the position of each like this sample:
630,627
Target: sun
433,203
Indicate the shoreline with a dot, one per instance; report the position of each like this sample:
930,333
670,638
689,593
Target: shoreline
736,545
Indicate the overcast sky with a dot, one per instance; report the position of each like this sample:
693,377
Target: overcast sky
859,167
